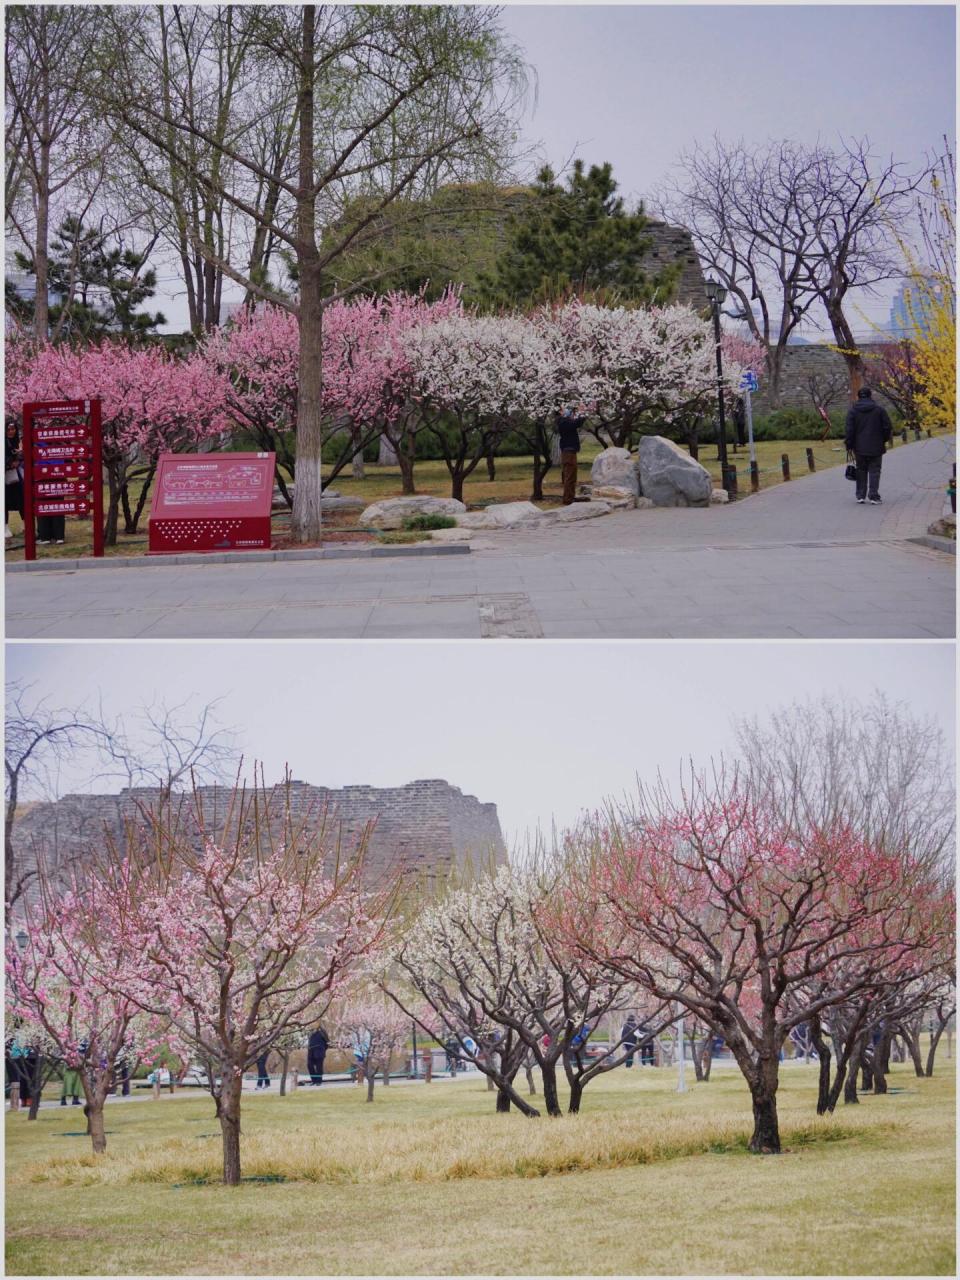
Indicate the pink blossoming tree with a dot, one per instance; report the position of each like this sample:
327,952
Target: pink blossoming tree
753,924
249,928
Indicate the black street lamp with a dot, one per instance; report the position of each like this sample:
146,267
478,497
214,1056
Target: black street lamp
716,294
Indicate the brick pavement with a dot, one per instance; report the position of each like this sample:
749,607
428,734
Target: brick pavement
799,560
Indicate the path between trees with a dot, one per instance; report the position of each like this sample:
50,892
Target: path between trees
801,559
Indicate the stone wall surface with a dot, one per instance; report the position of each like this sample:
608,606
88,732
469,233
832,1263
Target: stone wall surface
801,365
425,827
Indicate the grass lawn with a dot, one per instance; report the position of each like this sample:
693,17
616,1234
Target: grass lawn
429,1180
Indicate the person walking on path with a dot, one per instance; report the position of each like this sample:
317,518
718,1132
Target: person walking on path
568,429
263,1075
71,1086
628,1038
316,1052
868,433
13,475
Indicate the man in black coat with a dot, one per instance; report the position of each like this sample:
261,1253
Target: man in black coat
316,1052
568,429
868,433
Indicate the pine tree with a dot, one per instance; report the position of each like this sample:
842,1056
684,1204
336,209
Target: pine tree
577,239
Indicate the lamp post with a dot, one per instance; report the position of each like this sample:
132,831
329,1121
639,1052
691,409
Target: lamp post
716,294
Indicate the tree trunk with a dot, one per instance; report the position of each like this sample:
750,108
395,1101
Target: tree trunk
405,463
531,1083
112,519
707,1059
357,467
823,1058
932,1053
503,1101
457,478
576,1094
848,347
93,1110
491,465
387,455
913,1048
371,1081
41,302
766,1129
305,523
228,1113
551,1100
284,1064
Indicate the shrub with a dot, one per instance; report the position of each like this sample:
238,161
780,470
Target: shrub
427,522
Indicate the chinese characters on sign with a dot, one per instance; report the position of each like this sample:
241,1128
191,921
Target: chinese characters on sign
62,469
212,502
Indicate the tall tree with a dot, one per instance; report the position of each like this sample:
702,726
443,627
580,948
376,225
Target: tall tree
578,238
387,98
55,142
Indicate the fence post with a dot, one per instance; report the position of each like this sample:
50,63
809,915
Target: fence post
755,476
731,484
916,433
15,1097
810,462
785,466
903,435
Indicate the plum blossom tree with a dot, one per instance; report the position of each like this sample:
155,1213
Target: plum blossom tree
249,926
474,374
72,984
752,923
152,403
487,960
635,370
372,1029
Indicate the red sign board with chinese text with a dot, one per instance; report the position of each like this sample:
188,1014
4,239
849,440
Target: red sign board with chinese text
212,502
62,466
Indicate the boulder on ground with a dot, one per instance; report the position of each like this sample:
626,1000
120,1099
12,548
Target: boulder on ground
670,477
616,495
719,495
391,512
501,515
615,467
581,511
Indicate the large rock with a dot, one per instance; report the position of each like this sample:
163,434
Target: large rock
581,511
501,515
616,495
615,467
670,477
391,512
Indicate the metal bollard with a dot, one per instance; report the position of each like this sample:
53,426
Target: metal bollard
730,482
916,433
15,1097
903,435
785,466
754,477
810,462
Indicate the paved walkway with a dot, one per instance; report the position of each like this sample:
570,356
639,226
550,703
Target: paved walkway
802,559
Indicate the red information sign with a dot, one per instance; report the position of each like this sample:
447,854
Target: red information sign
212,502
62,466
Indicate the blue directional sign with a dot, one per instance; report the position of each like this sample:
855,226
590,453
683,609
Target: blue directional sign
749,381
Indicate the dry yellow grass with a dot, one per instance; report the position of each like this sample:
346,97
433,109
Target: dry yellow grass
431,1181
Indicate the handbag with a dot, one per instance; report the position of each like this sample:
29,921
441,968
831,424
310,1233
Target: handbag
851,471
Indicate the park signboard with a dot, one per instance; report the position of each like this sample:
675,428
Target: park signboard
62,466
212,502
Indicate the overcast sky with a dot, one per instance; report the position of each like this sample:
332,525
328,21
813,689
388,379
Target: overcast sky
637,84
541,730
